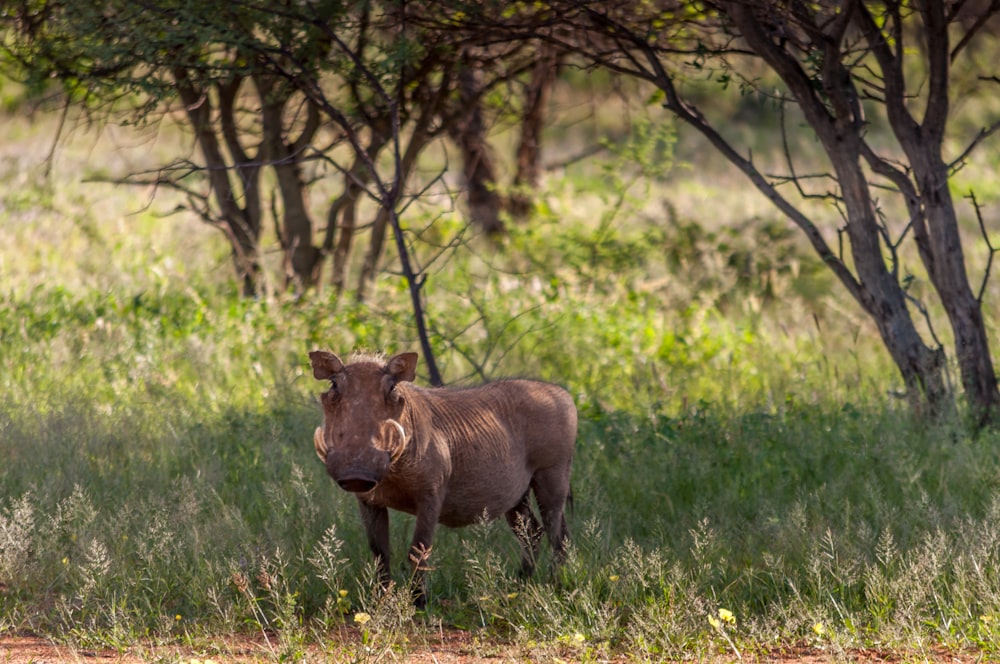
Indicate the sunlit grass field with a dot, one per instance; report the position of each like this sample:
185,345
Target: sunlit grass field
746,479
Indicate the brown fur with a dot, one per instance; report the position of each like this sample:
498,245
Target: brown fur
449,456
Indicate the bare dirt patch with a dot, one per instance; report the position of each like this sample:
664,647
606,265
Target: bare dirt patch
452,647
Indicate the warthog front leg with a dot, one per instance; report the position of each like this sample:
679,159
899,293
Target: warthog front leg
420,548
376,522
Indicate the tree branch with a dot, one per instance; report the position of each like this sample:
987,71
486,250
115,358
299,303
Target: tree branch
939,64
983,134
696,120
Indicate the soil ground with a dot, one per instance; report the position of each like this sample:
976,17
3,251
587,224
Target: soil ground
449,647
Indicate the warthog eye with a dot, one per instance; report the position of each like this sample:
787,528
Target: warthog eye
332,395
392,395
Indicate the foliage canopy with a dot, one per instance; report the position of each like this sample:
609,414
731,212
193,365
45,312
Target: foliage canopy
387,78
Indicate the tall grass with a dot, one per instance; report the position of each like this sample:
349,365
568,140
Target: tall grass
744,481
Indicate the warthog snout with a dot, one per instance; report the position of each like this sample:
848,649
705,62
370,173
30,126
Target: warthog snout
357,468
357,484
358,475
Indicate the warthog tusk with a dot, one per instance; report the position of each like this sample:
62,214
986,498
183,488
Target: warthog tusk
402,436
319,444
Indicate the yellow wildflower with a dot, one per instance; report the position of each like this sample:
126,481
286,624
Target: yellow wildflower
361,618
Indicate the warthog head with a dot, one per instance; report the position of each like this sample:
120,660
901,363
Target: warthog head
362,433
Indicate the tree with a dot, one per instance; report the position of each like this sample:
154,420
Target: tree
259,83
844,66
231,181
241,74
134,61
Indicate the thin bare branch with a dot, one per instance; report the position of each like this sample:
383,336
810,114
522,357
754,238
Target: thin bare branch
983,134
919,306
981,20
51,156
989,245
794,178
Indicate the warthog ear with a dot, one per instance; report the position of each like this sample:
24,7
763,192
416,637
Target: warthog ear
325,365
402,367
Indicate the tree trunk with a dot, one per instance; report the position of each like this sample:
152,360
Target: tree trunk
529,148
376,245
240,226
941,251
928,197
284,157
469,133
835,113
247,166
343,211
881,295
404,165
342,216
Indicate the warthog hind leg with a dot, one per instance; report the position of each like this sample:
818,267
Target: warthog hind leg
528,531
551,487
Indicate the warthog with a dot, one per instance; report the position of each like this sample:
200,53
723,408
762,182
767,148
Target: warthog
449,456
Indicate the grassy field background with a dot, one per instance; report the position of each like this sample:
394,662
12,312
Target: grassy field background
746,478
